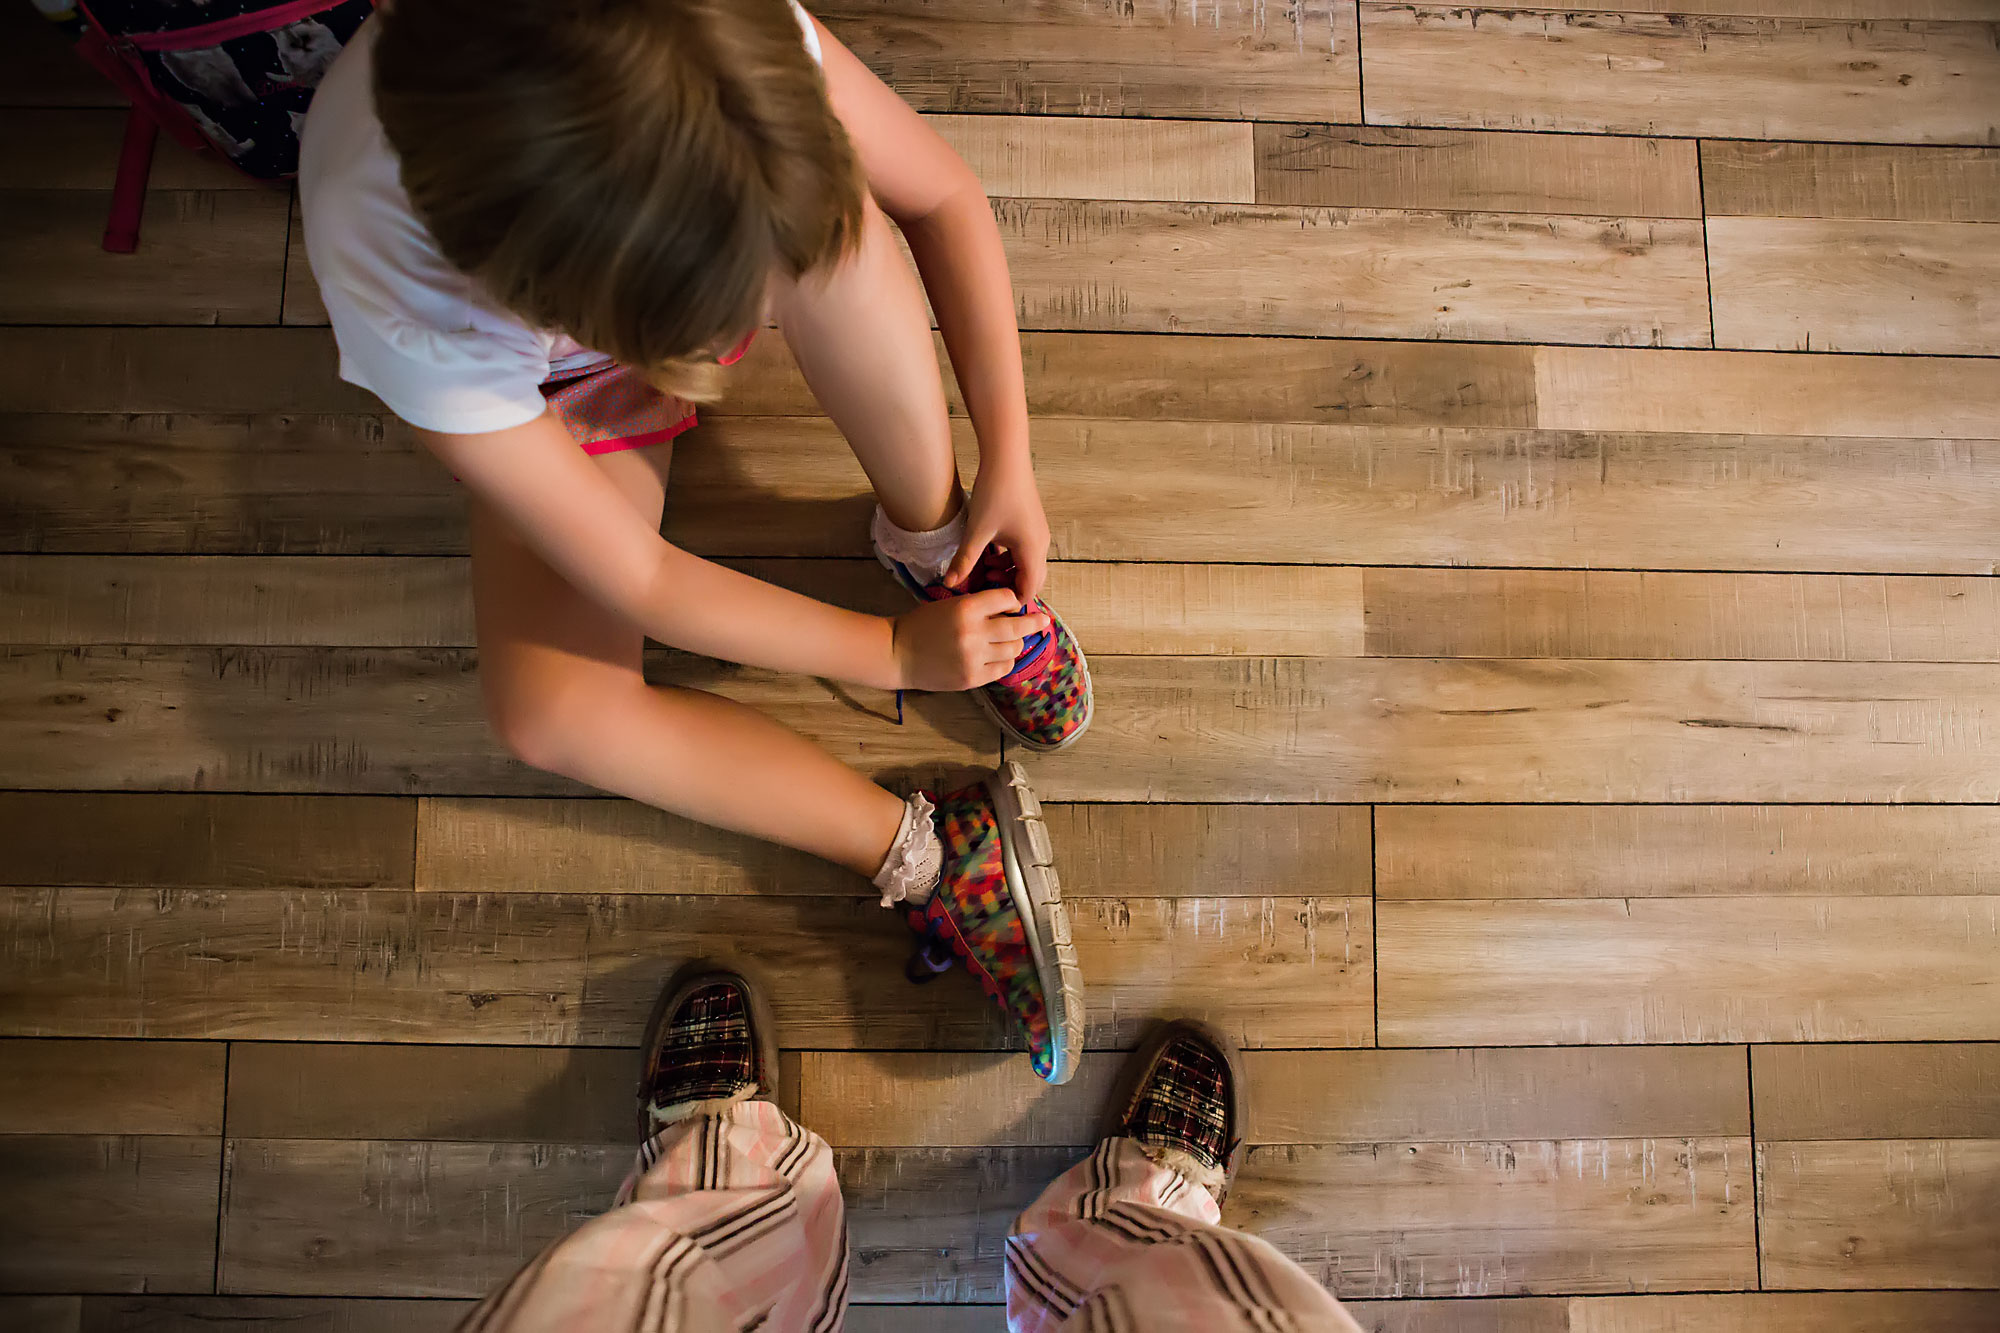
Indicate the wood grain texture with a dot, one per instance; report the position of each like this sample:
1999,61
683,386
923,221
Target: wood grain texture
1357,166
266,1314
1846,285
1061,157
1713,1312
473,845
887,1099
42,1314
214,370
1781,1312
111,1087
1316,729
1977,10
1620,614
1768,393
395,1218
1116,491
525,969
931,1223
480,845
1929,1091
290,372
1385,1097
422,1218
1688,970
1475,852
1474,1219
1237,60
302,303
208,257
1125,490
1354,273
307,484
304,1090
89,1212
1147,377
375,721
425,602
926,1319
1825,180
39,68
1212,851
194,840
1918,81
77,149
330,601
884,1099
1884,1213
1209,610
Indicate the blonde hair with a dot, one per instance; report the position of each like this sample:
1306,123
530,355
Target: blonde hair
629,172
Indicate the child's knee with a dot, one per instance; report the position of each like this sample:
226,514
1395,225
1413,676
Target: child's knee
553,726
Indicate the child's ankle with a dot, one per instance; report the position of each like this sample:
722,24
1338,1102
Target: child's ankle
925,554
915,861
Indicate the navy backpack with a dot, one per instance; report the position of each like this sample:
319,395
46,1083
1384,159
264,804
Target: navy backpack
231,76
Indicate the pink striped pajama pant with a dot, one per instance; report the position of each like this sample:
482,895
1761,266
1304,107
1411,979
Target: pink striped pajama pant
732,1222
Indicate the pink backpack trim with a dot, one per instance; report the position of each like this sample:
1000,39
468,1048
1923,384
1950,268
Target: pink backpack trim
151,112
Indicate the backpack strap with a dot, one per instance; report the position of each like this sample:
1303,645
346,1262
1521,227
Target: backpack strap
128,190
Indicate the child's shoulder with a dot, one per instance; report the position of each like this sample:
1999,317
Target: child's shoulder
343,155
363,238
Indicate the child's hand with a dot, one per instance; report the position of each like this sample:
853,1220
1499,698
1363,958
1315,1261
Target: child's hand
1005,509
962,642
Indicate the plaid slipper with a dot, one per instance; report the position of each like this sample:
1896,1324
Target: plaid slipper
1045,701
999,911
710,1039
1184,1102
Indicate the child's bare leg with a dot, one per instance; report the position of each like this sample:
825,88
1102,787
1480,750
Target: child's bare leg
564,690
862,337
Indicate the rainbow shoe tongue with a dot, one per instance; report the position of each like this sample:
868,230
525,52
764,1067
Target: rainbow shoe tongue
998,911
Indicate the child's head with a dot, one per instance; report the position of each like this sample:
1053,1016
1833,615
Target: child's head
630,172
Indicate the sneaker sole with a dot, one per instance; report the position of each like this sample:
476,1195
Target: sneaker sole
1007,728
1029,862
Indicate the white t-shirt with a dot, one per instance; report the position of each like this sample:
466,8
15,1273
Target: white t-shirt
412,329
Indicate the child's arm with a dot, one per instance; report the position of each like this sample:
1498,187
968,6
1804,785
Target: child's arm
944,214
576,520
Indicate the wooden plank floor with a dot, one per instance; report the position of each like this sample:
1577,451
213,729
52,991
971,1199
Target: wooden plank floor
1536,530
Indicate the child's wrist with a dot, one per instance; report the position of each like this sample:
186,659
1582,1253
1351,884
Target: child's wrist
894,674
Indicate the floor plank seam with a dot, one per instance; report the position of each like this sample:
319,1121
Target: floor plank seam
1360,70
1707,249
1756,1173
1113,332
1375,913
222,1175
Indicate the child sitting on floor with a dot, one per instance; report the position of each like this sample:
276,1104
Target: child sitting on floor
540,230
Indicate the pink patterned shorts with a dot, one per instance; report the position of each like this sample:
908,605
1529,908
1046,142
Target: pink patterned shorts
612,407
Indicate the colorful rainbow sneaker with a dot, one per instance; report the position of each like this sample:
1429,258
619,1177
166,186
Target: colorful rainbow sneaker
1044,702
999,911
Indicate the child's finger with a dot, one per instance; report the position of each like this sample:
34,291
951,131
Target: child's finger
1014,629
992,602
1031,574
968,555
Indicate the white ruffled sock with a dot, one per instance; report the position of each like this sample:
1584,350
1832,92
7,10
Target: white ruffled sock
926,554
915,863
